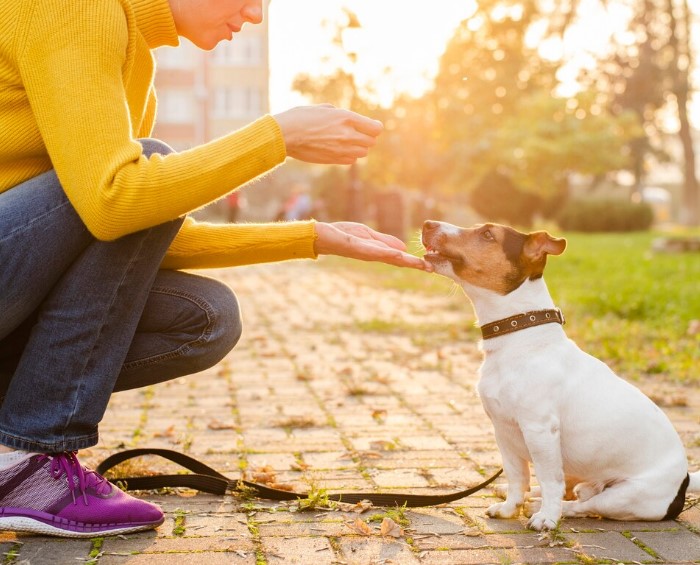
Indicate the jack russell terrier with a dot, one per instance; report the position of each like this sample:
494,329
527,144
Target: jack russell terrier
550,403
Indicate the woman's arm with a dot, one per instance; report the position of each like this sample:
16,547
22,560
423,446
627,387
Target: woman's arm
201,245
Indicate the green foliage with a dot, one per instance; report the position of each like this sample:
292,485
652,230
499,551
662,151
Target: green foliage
547,138
628,306
497,199
605,215
397,514
496,111
317,497
496,107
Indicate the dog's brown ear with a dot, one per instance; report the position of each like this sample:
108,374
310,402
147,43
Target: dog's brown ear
540,243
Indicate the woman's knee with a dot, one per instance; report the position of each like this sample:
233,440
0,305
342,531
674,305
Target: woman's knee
190,323
225,319
213,316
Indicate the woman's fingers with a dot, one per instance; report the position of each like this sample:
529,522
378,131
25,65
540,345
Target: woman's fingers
357,241
327,135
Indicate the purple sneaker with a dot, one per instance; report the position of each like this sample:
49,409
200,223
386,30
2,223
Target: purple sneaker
56,495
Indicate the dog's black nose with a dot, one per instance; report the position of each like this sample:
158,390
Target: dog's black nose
430,225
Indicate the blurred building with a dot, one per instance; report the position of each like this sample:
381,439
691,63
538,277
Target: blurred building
205,94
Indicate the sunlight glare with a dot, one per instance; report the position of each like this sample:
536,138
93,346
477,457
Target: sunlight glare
398,46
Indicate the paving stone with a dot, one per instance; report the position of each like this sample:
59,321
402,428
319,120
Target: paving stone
608,545
399,479
298,529
302,550
457,541
221,542
363,550
464,557
679,545
37,550
178,558
227,527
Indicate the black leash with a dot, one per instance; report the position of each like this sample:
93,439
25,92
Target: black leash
206,479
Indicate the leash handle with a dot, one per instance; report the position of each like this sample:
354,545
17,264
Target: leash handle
207,479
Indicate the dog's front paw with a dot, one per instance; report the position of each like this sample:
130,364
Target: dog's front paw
503,510
540,521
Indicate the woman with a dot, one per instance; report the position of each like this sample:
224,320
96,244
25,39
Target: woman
94,227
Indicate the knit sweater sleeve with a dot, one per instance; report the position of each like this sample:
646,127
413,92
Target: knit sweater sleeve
206,245
76,60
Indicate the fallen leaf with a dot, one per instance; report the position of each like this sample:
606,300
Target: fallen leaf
264,478
219,425
390,528
362,506
168,432
370,455
299,466
361,527
264,475
281,486
383,445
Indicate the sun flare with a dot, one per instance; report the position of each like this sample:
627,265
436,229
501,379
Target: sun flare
398,44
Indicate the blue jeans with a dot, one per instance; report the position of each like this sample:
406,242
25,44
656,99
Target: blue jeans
82,318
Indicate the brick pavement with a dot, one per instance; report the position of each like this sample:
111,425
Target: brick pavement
343,386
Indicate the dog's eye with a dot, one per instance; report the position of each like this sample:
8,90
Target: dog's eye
487,235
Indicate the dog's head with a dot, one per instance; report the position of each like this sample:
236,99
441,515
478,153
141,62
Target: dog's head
489,256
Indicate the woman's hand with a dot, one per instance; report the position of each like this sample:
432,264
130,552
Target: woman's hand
327,135
357,241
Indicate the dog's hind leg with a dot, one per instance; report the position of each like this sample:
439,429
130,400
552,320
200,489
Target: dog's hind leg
626,500
585,491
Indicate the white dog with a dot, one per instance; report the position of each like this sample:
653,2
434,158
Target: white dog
550,403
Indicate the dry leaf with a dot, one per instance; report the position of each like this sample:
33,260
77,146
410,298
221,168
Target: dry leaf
299,466
264,475
219,425
382,445
361,527
168,432
390,528
362,506
281,486
264,478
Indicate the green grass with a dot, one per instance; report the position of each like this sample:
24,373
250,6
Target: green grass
623,303
629,306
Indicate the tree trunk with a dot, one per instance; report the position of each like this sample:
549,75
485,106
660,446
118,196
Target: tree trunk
680,42
689,212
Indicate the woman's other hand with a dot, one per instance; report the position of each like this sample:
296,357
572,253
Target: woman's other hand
357,241
327,135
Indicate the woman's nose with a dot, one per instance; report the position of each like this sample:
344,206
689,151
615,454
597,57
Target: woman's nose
253,12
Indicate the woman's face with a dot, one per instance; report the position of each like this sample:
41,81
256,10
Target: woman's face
207,22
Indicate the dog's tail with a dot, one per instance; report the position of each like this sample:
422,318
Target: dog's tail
694,484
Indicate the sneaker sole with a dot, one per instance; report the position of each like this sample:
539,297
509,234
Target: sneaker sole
55,526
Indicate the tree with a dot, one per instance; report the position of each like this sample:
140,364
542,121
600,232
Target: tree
682,56
497,109
644,75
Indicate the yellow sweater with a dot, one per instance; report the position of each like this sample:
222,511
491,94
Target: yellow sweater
76,91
